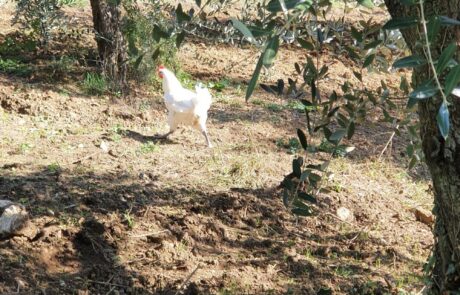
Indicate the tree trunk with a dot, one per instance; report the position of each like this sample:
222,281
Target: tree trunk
442,156
111,44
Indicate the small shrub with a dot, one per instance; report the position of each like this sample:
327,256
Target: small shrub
274,107
17,43
149,147
54,168
292,145
63,64
219,85
15,67
94,84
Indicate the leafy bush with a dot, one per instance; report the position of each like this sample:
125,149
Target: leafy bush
94,84
39,16
152,40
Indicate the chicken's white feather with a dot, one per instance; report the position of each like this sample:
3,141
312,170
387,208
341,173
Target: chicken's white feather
185,107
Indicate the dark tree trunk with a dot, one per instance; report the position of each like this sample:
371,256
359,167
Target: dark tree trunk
111,44
442,156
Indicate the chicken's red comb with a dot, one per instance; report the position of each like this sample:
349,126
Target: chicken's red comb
161,67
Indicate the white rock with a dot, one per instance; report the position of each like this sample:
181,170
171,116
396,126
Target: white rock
12,218
104,146
14,221
344,214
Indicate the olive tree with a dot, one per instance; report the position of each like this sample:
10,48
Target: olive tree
431,31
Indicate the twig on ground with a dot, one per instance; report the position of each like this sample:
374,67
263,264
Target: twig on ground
149,234
388,142
179,290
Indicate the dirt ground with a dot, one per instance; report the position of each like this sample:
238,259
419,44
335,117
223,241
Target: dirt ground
159,217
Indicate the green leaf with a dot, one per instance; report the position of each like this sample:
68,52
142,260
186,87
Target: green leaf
352,53
300,204
158,34
306,197
332,112
424,91
305,175
297,68
447,21
366,3
358,76
255,76
373,44
302,139
301,212
452,79
357,35
181,15
271,50
351,130
305,44
314,177
445,57
180,38
400,23
368,61
404,85
412,162
297,167
409,62
286,197
244,30
288,183
266,58
443,120
410,150
258,31
306,103
433,27
338,134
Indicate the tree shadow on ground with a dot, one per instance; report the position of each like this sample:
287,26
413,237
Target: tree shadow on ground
102,233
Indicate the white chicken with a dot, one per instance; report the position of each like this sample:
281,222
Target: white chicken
185,107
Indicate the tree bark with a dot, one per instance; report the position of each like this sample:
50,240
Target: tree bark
111,43
442,156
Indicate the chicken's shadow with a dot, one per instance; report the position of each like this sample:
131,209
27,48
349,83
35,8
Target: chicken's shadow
144,138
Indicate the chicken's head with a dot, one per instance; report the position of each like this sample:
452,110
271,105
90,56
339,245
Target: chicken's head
160,71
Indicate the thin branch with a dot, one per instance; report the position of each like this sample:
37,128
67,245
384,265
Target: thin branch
430,58
388,142
179,290
149,234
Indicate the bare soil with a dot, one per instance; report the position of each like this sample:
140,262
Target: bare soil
158,217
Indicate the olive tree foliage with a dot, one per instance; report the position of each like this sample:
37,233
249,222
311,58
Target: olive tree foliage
430,30
334,118
40,17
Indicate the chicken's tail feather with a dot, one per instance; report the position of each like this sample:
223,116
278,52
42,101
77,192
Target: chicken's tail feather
203,97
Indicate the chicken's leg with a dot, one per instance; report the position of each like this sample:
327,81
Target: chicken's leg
205,133
172,127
